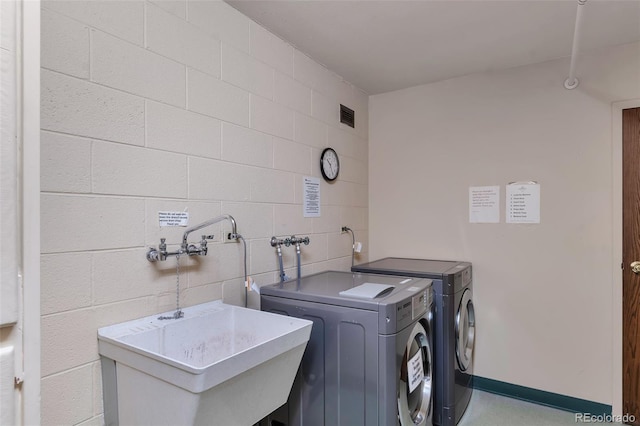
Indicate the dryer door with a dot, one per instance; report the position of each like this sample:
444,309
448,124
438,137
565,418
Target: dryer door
465,330
415,387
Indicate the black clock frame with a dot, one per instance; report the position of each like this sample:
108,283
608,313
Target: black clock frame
324,175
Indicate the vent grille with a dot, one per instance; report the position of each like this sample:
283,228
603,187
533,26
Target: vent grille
347,116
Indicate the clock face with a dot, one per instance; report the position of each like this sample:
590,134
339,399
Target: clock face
329,164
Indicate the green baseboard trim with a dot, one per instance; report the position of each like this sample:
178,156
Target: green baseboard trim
550,399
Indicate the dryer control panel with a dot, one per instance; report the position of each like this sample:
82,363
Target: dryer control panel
418,305
411,309
412,303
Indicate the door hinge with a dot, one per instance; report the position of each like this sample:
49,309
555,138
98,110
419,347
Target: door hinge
622,266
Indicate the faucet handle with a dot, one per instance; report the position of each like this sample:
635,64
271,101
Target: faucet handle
153,255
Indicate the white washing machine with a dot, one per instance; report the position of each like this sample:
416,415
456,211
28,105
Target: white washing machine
369,358
454,328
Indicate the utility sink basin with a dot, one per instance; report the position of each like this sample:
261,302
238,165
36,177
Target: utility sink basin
218,365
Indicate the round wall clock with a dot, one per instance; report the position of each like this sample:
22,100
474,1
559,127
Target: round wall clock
329,164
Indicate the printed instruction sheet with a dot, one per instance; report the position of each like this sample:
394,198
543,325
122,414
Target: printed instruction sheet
523,202
311,196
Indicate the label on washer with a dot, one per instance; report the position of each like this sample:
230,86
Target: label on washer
415,371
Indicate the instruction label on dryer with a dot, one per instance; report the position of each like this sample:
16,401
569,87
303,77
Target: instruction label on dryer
415,372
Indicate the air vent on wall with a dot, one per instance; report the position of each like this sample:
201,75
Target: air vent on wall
347,116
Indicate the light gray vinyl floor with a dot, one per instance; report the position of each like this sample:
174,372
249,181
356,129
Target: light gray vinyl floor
486,409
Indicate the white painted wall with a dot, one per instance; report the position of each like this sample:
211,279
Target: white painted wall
543,293
150,106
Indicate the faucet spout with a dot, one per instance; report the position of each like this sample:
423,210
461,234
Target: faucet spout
161,253
234,231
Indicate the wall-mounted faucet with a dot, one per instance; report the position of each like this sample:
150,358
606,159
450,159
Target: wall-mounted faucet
161,253
232,236
279,242
297,241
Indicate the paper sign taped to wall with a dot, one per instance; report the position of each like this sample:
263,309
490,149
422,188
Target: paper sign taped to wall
311,196
484,204
415,372
173,218
523,202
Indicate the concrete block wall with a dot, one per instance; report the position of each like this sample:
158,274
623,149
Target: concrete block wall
167,106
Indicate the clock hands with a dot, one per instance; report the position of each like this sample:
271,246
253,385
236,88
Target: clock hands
331,163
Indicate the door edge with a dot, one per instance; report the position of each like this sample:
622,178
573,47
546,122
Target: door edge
616,279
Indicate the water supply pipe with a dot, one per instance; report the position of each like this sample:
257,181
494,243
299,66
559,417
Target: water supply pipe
277,243
297,241
572,81
353,243
298,259
282,275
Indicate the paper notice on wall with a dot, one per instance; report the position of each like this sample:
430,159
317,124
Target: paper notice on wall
311,196
173,218
484,204
415,372
523,202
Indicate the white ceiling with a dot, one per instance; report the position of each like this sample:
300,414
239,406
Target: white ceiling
381,46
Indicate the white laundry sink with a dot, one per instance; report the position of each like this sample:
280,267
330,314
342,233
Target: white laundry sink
218,365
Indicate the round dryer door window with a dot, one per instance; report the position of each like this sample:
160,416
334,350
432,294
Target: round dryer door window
414,389
465,330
